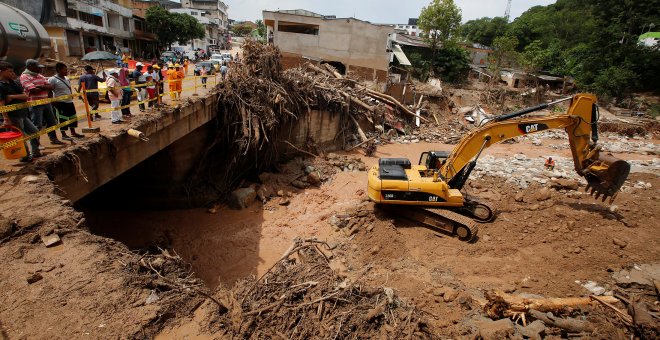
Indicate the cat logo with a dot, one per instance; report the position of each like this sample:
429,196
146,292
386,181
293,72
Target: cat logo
20,28
531,128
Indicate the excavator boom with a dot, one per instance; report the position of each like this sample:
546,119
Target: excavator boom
605,174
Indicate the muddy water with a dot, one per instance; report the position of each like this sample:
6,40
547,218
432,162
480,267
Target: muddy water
232,244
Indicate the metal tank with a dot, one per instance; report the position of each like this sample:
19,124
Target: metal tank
21,36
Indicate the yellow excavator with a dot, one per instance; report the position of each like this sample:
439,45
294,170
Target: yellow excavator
430,192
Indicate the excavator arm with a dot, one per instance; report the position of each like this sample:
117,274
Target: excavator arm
604,174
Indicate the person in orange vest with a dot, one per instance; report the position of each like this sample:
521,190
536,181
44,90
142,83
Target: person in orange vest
185,66
550,164
179,79
171,80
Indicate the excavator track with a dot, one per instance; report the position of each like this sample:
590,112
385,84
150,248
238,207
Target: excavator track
437,218
477,211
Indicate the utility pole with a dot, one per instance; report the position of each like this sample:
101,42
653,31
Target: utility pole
507,13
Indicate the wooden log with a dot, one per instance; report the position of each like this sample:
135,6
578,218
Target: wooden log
419,104
522,304
569,324
318,69
394,102
363,137
333,71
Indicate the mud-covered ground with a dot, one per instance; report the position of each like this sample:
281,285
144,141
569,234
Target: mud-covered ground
99,280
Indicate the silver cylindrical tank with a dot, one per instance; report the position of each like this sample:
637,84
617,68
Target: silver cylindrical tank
22,36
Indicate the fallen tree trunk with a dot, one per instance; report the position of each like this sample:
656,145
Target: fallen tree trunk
388,99
333,71
363,136
500,304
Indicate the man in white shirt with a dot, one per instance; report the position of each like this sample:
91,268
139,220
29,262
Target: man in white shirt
65,110
115,95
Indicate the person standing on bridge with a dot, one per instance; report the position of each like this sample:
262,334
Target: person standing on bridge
64,108
11,92
179,78
115,94
171,81
125,83
91,81
37,88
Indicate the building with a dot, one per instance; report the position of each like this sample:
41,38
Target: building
216,12
410,28
349,44
210,26
76,27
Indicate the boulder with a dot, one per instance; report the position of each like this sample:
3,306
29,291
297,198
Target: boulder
6,227
534,330
242,198
495,330
520,196
564,183
314,178
543,195
300,184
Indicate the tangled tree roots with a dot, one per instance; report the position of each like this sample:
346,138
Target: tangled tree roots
301,297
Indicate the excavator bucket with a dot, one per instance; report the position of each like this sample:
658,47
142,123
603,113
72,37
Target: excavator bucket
605,176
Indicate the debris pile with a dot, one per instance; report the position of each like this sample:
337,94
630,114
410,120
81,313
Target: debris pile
300,296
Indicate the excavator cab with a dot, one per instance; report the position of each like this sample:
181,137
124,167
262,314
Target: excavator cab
433,160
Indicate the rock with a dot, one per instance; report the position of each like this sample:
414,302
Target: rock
242,198
520,196
620,243
29,179
495,330
313,178
300,185
565,184
534,330
284,201
309,169
594,288
153,297
362,167
6,227
34,278
450,294
50,240
280,193
438,292
374,250
370,227
264,192
543,195
554,228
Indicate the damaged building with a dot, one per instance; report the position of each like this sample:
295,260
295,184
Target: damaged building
348,44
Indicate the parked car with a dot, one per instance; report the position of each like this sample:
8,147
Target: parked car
210,68
167,56
226,56
216,56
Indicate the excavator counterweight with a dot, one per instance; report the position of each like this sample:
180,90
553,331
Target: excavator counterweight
436,181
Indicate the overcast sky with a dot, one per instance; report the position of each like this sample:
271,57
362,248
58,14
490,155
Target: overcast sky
377,11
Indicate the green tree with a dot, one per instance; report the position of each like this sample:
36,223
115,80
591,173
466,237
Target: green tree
504,54
440,21
261,28
241,29
484,30
173,27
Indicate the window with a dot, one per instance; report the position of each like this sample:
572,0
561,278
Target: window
71,13
193,13
91,42
138,25
91,19
294,27
127,24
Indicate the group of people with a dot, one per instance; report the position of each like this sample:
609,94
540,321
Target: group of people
32,85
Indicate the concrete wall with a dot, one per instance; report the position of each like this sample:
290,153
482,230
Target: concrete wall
350,41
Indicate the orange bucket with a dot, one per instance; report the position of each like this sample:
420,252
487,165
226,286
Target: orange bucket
9,134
